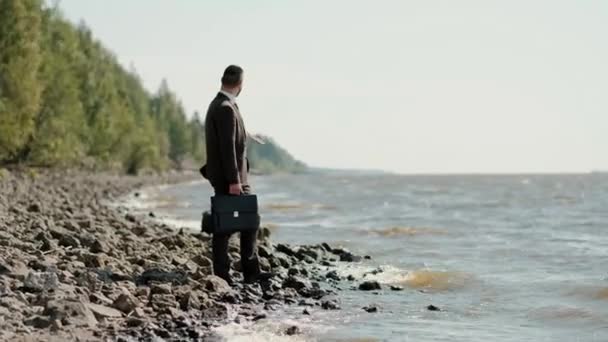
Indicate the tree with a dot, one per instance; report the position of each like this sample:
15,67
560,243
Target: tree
19,64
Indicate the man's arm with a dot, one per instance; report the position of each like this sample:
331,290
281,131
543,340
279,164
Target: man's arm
226,124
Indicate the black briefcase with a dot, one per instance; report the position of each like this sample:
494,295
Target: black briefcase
230,214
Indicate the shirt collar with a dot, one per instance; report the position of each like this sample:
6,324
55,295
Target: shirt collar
230,96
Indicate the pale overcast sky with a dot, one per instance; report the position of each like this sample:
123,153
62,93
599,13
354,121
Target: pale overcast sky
408,86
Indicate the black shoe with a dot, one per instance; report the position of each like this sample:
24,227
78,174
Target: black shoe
264,276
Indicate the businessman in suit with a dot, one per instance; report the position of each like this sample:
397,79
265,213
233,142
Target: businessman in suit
227,168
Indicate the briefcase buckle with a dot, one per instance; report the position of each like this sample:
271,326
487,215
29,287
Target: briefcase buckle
235,214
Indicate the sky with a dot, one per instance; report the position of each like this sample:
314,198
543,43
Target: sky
433,86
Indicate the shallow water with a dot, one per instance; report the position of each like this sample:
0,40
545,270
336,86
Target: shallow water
506,258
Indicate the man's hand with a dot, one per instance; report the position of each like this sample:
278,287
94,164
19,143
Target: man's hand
235,189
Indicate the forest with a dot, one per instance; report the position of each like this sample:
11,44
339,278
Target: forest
66,101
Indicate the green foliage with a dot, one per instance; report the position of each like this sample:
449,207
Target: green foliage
65,100
270,157
19,64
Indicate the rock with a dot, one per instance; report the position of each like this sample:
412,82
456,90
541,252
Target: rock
125,302
264,252
396,288
158,275
69,240
330,305
38,322
306,312
369,285
285,249
41,281
296,283
216,284
259,317
160,289
433,308
371,308
33,208
99,246
70,312
293,330
160,302
191,300
347,256
102,311
135,322
332,275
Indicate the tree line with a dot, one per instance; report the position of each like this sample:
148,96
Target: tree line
65,100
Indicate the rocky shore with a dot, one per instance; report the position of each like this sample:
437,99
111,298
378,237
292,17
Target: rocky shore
74,267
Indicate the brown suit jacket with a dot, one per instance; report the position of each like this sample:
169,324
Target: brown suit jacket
226,139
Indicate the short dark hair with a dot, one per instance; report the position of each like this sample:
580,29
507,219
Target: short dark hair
233,75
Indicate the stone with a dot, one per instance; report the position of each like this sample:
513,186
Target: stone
38,322
33,208
159,275
433,308
396,288
370,285
70,312
332,275
69,240
347,256
292,330
283,248
259,317
216,284
160,289
125,302
99,246
330,305
102,311
41,281
296,283
371,308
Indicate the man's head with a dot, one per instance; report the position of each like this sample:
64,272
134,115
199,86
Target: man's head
232,80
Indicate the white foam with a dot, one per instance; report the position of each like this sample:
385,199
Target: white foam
389,274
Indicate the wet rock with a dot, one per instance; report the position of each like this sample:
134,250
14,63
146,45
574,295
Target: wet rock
347,256
396,288
369,285
333,275
371,308
34,208
351,277
296,283
433,308
285,249
330,305
259,317
293,330
306,312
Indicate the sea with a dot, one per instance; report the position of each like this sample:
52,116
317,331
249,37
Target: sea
503,257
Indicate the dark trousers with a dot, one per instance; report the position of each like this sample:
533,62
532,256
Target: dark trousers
249,256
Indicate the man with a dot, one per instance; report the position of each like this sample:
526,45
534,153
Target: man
227,168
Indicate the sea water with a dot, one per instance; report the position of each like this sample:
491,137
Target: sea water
504,258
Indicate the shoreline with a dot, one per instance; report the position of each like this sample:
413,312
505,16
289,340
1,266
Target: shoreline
74,267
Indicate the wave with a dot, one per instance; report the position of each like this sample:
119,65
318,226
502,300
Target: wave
406,231
416,279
